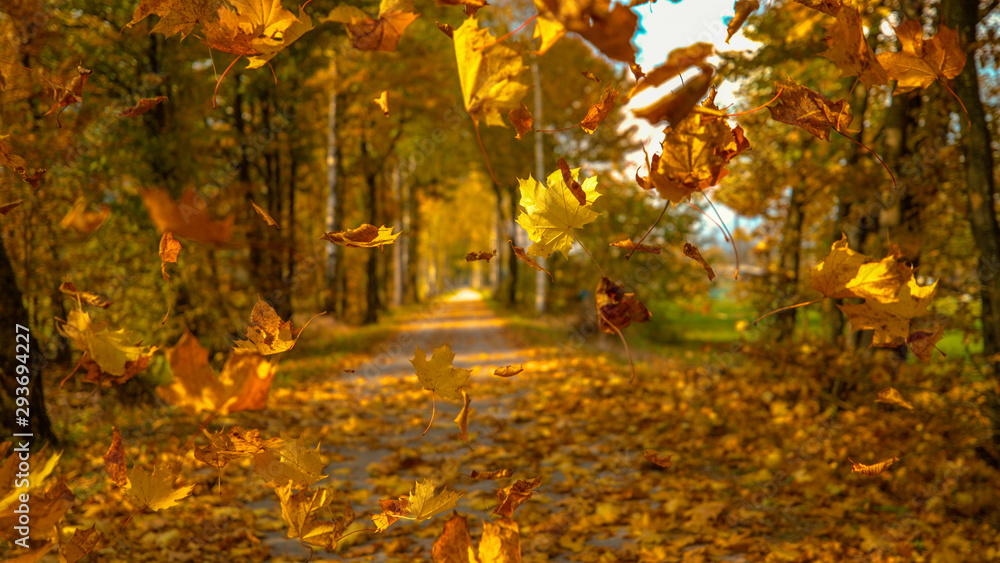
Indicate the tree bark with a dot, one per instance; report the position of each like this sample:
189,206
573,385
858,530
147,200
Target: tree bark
332,201
541,278
790,257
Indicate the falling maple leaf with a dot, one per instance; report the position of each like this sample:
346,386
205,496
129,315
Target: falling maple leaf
607,26
454,545
169,250
392,511
523,256
114,460
382,101
6,208
692,252
84,297
447,29
571,183
500,542
892,396
600,110
480,255
155,490
370,34
677,105
743,10
421,504
80,545
654,457
521,119
487,72
876,469
109,350
513,496
497,474
267,334
142,106
471,6
922,343
301,510
71,93
176,16
188,217
921,62
292,462
810,110
617,308
265,216
83,221
438,374
590,76
629,244
365,236
831,7
17,165
462,420
552,214
848,48
677,61
508,371
891,319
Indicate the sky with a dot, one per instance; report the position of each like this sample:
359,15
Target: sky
668,25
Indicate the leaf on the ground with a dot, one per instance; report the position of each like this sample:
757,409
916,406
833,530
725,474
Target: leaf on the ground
82,220
523,256
677,105
438,374
454,545
80,545
692,252
654,457
552,214
267,334
743,10
84,297
155,490
617,307
370,34
521,119
6,208
571,183
876,469
848,48
301,511
831,7
513,496
508,371
382,101
72,92
600,110
188,217
892,396
496,474
500,542
480,255
244,383
142,106
109,350
462,420
424,504
265,216
922,342
365,236
487,75
629,244
810,110
922,62
471,6
114,460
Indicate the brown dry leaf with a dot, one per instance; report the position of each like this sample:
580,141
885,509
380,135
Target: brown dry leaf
676,105
188,217
831,7
677,61
471,6
176,16
462,420
265,216
523,256
849,50
267,334
571,183
82,220
6,208
18,165
922,342
508,371
513,496
600,110
302,510
521,119
392,511
365,236
892,396
72,92
654,457
382,101
98,376
369,34
454,545
501,542
922,62
617,307
447,29
743,10
607,26
46,508
488,74
692,252
170,248
810,110
257,29
629,244
244,383
114,460
497,474
480,255
84,297
876,469
80,545
142,106
590,76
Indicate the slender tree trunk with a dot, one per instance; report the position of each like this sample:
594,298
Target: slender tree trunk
332,201
790,257
541,278
980,187
513,263
372,293
398,250
413,247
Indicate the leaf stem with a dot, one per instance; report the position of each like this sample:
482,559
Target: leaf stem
215,103
433,411
649,230
788,308
877,157
624,343
482,149
732,239
776,96
589,254
504,37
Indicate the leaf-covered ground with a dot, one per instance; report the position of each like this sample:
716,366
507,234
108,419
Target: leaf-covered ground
759,472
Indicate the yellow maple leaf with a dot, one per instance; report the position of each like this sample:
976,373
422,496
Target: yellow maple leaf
438,374
487,75
424,504
551,214
365,236
301,510
155,490
846,273
267,334
921,62
891,319
848,48
370,34
109,349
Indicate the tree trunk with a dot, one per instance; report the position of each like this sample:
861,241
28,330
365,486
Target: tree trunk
541,278
790,257
513,262
332,202
398,250
13,313
372,292
963,16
